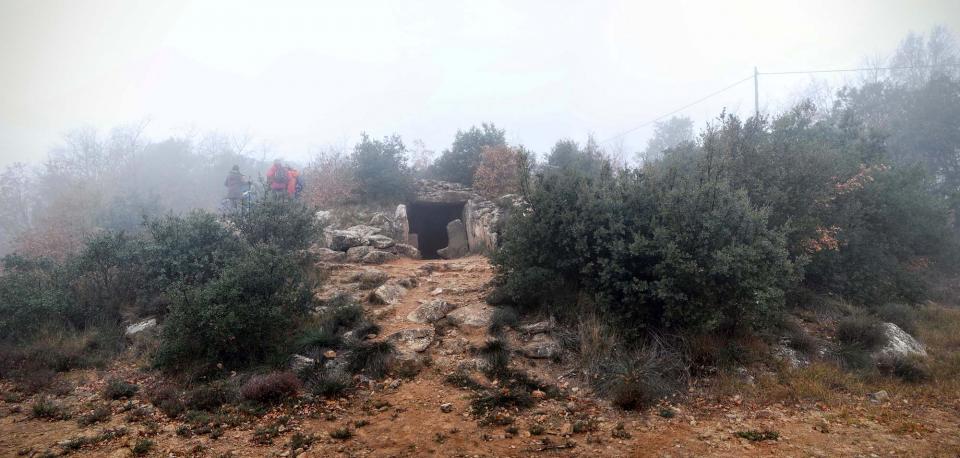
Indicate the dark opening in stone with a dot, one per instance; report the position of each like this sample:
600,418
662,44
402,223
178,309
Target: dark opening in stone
428,220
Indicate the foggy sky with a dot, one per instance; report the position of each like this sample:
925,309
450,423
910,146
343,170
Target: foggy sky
302,75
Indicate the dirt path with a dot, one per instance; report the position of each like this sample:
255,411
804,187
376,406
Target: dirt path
397,417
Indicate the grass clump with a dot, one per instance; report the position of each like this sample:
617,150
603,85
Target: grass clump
754,435
265,434
167,399
270,388
49,409
373,359
328,383
902,315
142,447
119,389
496,355
342,433
99,414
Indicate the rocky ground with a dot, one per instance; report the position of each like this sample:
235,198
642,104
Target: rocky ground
434,312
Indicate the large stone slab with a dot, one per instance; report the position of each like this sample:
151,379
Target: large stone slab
476,315
387,294
431,311
457,245
412,340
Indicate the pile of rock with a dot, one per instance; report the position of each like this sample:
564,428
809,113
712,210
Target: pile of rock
362,244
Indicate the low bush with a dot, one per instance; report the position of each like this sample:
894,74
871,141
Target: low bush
342,433
49,409
240,319
167,398
328,384
270,388
901,315
861,332
285,223
209,397
372,359
142,447
119,389
99,414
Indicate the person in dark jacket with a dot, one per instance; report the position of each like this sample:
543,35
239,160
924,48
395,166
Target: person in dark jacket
236,184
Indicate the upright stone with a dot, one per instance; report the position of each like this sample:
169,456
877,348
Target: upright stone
457,245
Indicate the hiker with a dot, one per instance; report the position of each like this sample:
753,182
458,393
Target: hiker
279,178
236,184
293,183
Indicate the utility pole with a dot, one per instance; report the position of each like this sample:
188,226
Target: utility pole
756,93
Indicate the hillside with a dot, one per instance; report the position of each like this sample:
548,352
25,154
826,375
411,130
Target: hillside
814,411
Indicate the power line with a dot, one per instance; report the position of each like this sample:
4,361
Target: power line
864,69
755,75
731,86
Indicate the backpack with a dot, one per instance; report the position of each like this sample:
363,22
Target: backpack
280,175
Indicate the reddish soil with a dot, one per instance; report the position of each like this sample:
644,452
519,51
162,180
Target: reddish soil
404,417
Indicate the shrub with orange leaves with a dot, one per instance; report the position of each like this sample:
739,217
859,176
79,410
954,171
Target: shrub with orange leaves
329,180
500,171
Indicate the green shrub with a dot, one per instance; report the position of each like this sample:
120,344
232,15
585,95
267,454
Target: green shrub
901,315
673,247
239,319
380,169
99,414
287,224
188,250
503,317
459,163
861,331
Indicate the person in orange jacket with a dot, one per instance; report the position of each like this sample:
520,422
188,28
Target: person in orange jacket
278,177
293,182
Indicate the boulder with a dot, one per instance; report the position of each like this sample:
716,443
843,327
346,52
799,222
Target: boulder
342,240
370,278
539,327
541,346
356,254
899,345
476,315
380,241
364,231
141,326
457,245
431,311
402,249
323,217
328,255
387,294
412,340
378,257
300,362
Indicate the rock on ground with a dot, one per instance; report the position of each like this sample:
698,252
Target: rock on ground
380,241
387,294
328,255
541,346
415,340
370,278
355,254
300,362
378,257
477,315
402,249
144,325
899,344
431,311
